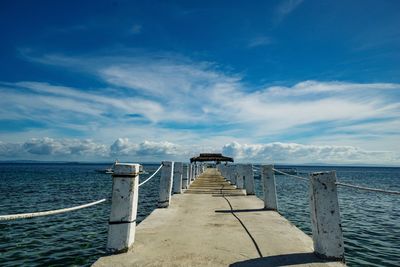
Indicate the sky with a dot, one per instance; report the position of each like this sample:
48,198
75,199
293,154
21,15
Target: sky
290,81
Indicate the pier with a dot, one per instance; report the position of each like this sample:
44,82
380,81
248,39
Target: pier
216,221
208,215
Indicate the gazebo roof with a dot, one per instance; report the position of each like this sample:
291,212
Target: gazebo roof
211,157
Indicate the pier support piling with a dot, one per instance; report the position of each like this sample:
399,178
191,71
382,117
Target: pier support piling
122,224
166,184
325,216
269,187
178,172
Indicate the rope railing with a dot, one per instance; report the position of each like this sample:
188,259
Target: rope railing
49,212
290,175
344,184
58,211
148,179
368,188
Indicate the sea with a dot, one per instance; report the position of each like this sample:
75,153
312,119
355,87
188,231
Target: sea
370,220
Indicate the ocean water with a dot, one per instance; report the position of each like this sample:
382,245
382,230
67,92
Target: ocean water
370,221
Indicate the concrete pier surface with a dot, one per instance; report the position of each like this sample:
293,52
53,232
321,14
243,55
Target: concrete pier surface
214,224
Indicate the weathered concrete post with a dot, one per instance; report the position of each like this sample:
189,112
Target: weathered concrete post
226,172
192,172
239,176
268,178
232,174
189,166
220,168
122,224
248,179
185,176
325,216
178,172
166,184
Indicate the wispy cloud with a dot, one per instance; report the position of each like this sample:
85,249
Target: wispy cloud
136,29
170,99
260,41
285,8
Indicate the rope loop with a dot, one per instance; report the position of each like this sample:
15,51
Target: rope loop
345,184
148,179
49,212
369,188
290,175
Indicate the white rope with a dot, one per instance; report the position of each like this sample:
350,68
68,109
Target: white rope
148,179
368,188
345,185
291,175
46,213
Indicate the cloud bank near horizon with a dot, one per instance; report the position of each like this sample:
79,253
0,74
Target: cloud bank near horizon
126,149
197,105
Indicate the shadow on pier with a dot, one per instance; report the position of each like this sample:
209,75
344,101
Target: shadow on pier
280,260
241,210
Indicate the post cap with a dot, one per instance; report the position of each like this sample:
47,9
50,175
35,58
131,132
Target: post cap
127,169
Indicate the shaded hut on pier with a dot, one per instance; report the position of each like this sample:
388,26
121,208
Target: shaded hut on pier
216,157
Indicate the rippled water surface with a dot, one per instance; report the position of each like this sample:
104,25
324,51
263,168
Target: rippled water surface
371,221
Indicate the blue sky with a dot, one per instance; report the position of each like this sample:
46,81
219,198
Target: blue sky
269,81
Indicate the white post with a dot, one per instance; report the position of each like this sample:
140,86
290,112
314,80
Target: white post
185,176
268,178
239,176
325,216
166,184
221,170
191,172
249,179
178,172
122,224
225,172
232,174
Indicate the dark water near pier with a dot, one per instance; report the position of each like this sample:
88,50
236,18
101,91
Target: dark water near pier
371,221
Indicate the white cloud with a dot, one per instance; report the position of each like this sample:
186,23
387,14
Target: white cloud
64,147
126,149
165,97
297,153
260,41
316,87
49,148
75,149
285,8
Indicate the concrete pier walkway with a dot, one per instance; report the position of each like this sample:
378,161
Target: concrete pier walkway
215,224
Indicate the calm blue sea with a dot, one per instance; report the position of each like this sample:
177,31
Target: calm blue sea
371,221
